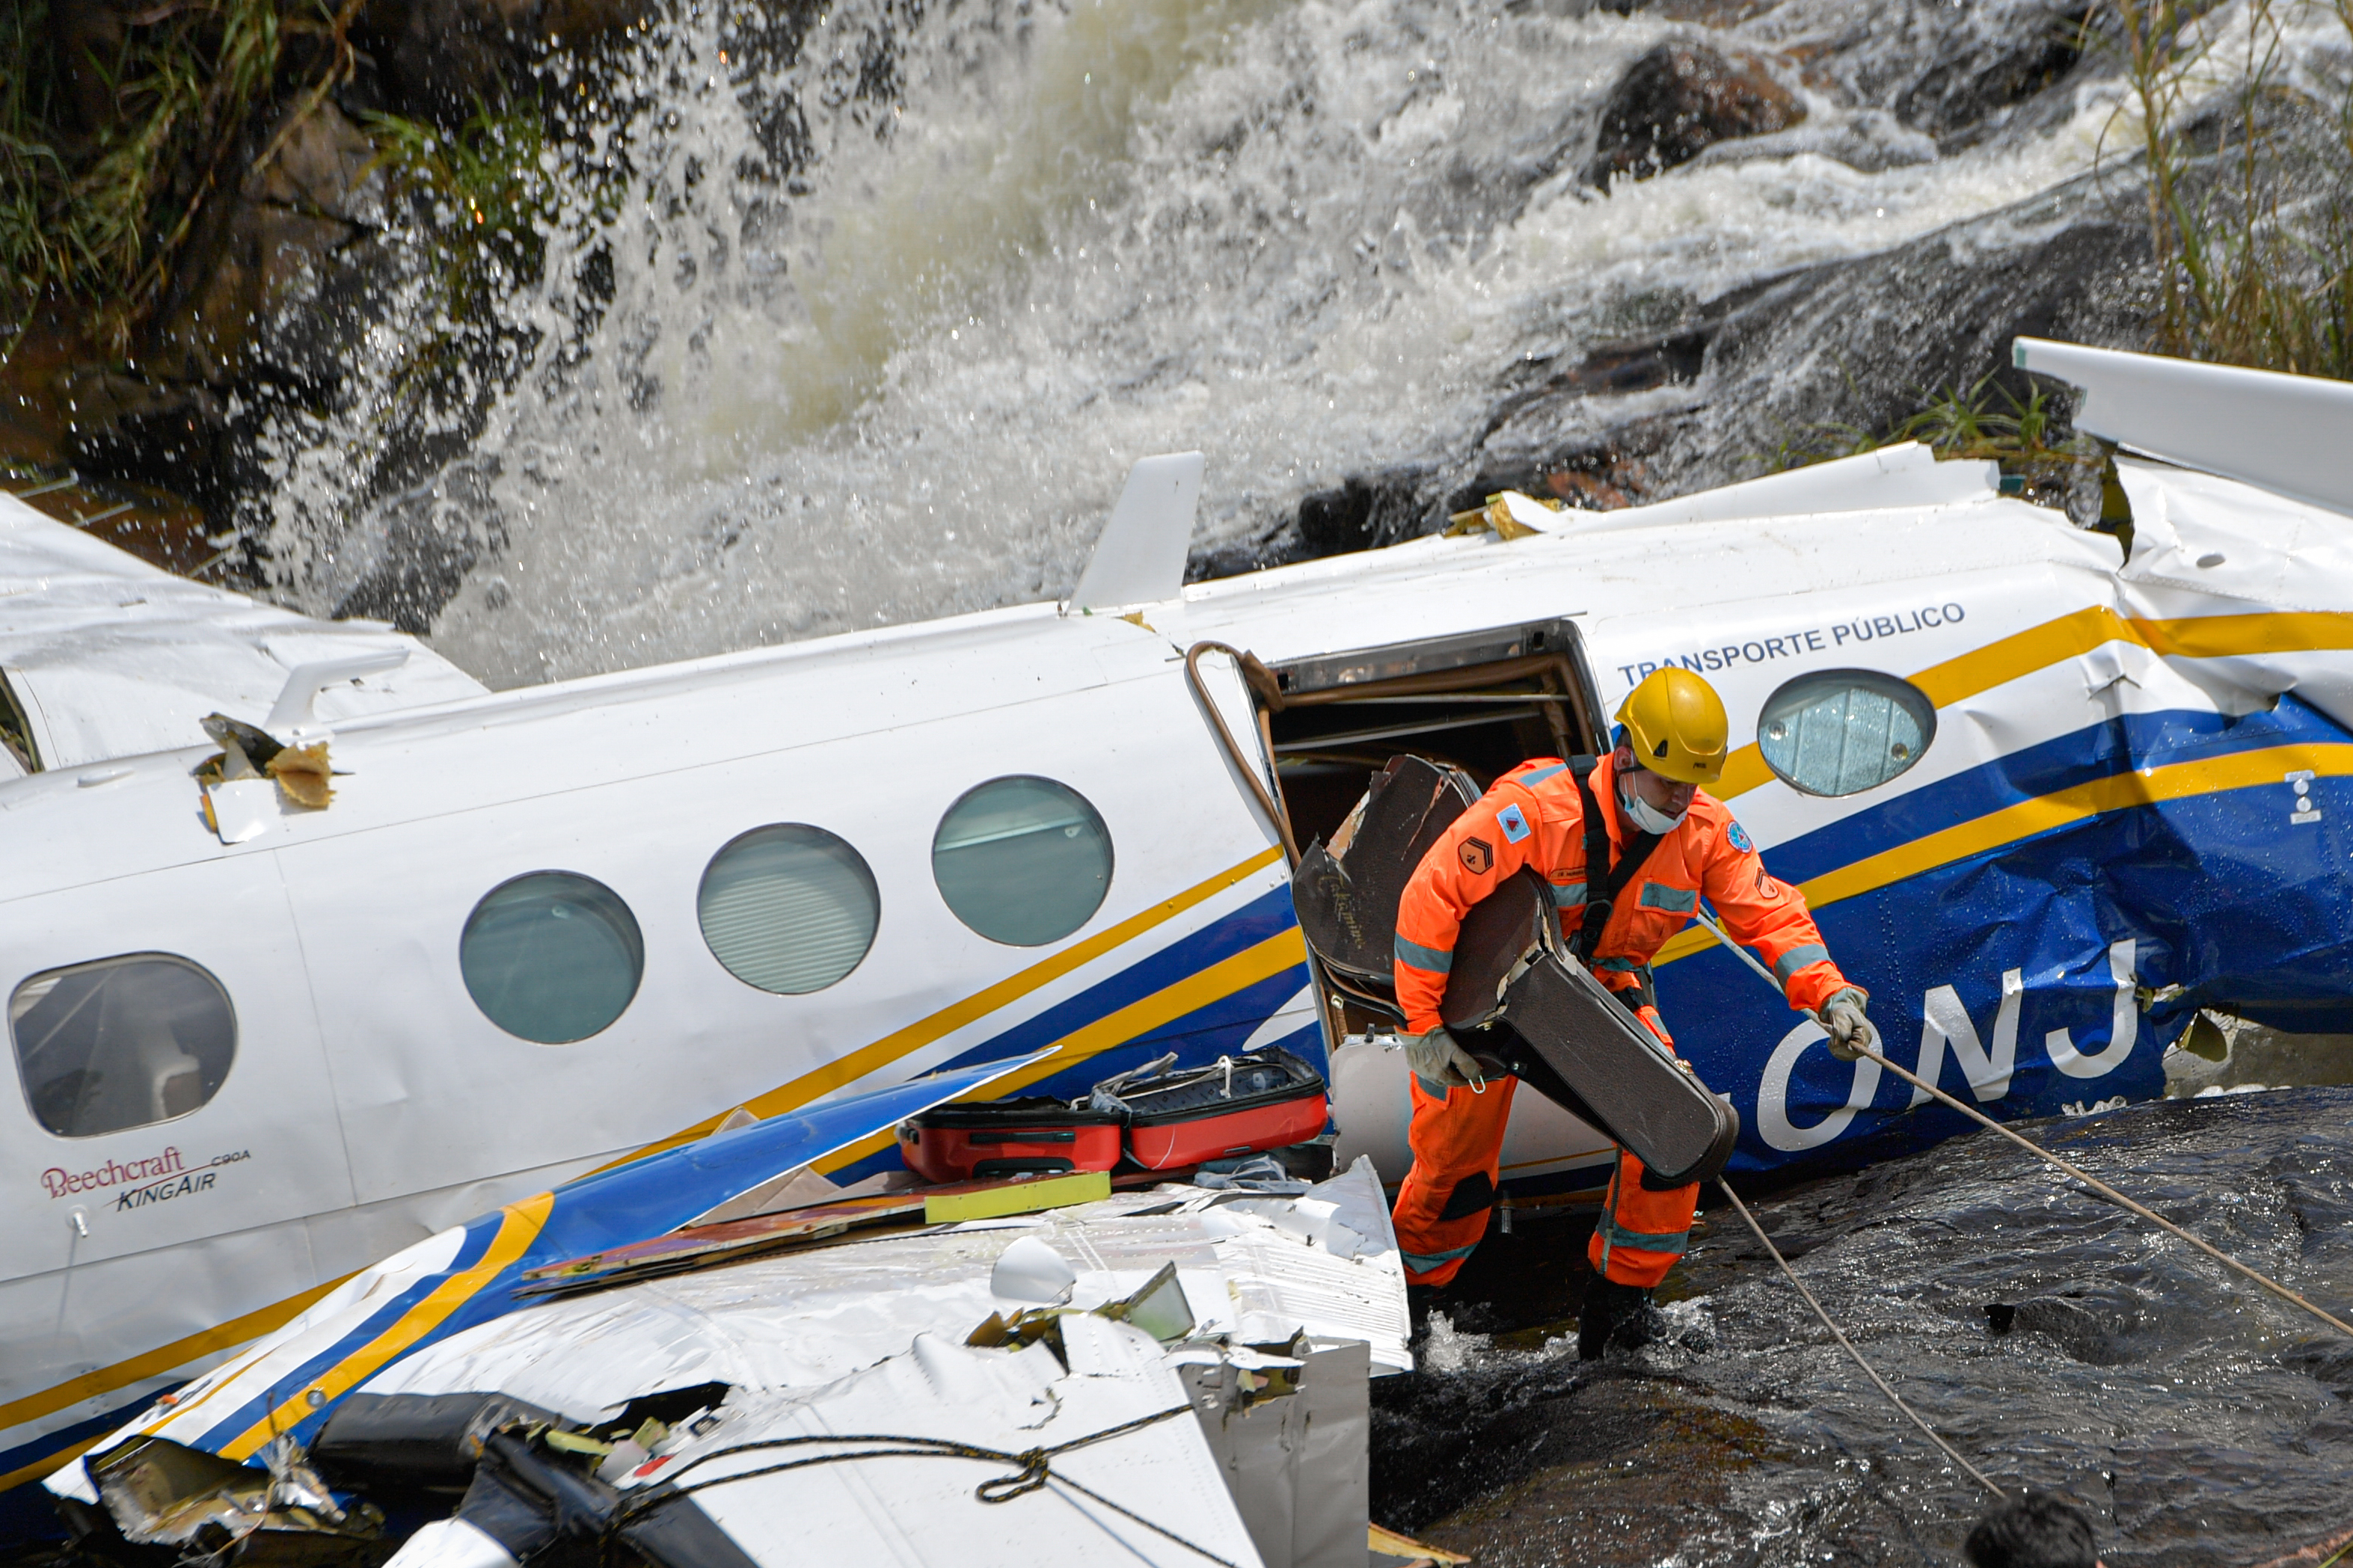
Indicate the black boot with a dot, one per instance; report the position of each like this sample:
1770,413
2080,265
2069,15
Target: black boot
1615,1315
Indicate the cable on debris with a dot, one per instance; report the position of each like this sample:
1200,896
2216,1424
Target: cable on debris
1848,1345
1034,1468
2097,1186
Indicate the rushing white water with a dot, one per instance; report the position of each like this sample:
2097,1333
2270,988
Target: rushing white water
1301,236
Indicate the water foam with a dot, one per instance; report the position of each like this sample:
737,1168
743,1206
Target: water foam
1303,238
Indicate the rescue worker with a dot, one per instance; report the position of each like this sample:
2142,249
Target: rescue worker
1668,844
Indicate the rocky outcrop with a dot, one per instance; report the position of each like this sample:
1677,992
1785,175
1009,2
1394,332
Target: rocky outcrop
1977,1286
1680,100
1766,373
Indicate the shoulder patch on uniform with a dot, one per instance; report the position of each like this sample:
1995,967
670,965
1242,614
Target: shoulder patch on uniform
1513,822
1477,854
1740,836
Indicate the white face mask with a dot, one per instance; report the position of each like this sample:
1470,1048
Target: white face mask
1645,815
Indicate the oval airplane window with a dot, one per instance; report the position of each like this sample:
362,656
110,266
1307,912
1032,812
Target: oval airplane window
552,956
121,1043
789,908
1023,861
1840,732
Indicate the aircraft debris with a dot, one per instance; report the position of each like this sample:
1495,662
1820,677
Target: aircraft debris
1172,1372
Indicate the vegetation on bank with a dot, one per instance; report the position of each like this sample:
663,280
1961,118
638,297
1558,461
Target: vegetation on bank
117,136
121,133
2249,179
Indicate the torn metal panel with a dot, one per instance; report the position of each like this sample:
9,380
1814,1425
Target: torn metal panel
1295,1461
1255,1270
947,1454
291,1382
161,1493
819,1403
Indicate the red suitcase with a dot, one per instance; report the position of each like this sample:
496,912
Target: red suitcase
1236,1105
1007,1137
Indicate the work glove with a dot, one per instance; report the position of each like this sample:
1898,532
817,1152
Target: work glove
1849,1030
1436,1058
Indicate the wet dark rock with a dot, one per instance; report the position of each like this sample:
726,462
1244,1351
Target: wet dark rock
1962,91
1680,100
2134,1375
1858,344
1955,70
244,256
2104,1330
1367,512
437,59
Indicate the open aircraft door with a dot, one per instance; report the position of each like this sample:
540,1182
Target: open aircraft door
1233,687
1478,703
171,1113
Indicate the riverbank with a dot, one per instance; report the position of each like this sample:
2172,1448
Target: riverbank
2050,1337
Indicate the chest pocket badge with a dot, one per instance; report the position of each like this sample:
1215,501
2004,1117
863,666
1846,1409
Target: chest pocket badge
1513,822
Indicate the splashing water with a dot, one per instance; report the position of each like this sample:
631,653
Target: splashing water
1024,244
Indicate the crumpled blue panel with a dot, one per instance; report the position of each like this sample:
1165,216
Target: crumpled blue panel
647,1198
2223,894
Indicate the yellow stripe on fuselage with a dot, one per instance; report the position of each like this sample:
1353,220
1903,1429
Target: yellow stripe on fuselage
154,1363
518,1228
891,1047
2025,818
788,1096
2078,633
1282,950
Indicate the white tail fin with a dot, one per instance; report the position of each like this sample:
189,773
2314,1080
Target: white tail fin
1140,557
2285,433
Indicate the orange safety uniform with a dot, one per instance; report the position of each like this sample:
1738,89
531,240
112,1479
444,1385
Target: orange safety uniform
1534,817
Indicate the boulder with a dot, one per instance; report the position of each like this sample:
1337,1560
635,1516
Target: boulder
1680,100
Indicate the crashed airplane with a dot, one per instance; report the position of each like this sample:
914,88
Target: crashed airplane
2045,795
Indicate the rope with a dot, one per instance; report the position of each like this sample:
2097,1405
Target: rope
2097,1186
1848,1345
1034,1469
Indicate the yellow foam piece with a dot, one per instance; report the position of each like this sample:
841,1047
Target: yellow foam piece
1018,1197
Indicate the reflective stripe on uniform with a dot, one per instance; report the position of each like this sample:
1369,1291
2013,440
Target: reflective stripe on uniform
1540,774
1619,965
1422,1263
1797,958
1674,900
1568,895
1422,957
1617,1234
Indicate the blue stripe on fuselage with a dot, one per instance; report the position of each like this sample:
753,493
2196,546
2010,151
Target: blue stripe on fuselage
1264,916
2117,745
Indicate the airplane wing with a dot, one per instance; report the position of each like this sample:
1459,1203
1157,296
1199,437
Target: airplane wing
105,655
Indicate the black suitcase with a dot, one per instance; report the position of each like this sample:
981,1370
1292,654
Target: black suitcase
1519,1001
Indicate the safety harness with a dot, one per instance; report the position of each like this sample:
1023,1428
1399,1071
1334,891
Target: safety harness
1603,880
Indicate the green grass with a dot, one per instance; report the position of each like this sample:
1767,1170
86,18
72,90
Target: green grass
1985,422
95,218
2249,183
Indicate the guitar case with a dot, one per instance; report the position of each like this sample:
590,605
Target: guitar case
1516,997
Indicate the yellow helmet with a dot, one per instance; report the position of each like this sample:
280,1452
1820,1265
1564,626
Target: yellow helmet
1674,723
